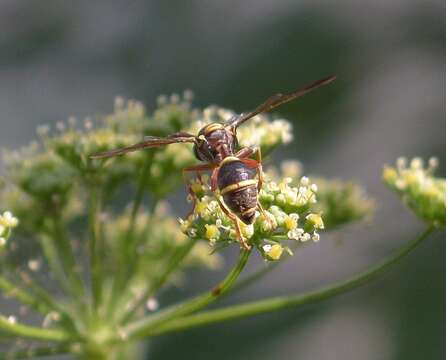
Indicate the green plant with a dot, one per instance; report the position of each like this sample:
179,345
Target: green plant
105,234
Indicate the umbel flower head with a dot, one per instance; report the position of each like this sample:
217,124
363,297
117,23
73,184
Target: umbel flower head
7,223
289,216
415,182
341,202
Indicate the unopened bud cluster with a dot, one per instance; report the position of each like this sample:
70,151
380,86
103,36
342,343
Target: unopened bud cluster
415,182
289,216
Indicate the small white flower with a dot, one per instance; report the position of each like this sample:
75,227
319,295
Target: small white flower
152,304
34,265
60,126
416,163
304,181
8,220
433,163
267,248
401,163
305,237
295,234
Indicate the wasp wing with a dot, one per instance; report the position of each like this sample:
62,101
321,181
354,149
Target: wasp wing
277,100
148,142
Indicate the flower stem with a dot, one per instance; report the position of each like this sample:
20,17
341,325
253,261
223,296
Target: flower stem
23,296
147,325
68,259
284,302
50,250
93,245
36,352
130,248
31,332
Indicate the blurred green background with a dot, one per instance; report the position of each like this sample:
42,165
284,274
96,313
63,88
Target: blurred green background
72,58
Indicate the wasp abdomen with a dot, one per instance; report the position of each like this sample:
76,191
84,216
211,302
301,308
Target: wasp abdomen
238,186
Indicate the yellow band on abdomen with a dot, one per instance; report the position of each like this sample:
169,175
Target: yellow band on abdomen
239,185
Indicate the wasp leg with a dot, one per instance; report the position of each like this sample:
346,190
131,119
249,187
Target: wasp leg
236,221
214,179
199,168
245,152
243,155
263,212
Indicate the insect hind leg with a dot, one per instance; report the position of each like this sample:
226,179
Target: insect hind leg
236,221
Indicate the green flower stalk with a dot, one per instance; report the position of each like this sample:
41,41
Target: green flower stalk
104,233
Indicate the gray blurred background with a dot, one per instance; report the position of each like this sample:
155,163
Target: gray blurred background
63,58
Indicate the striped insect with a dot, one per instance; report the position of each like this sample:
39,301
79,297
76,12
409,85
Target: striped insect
236,175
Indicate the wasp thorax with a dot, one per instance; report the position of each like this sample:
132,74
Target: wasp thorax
214,142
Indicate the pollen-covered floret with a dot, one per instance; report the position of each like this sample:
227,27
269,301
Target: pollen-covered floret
288,216
415,182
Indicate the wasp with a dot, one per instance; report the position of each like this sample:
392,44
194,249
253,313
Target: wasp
236,175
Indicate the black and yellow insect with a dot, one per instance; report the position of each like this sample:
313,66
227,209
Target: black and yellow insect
235,174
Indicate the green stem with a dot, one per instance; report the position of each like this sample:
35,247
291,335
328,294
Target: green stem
23,296
68,259
139,197
31,332
93,245
130,246
35,295
284,302
53,258
146,326
175,260
33,353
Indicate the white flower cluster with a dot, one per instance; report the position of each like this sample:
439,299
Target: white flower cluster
424,193
288,215
7,223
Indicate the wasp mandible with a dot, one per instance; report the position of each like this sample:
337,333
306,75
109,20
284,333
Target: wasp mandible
235,174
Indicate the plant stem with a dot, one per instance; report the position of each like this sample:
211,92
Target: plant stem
146,326
31,332
32,353
175,260
68,259
140,190
23,296
130,248
54,261
139,197
93,245
284,302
